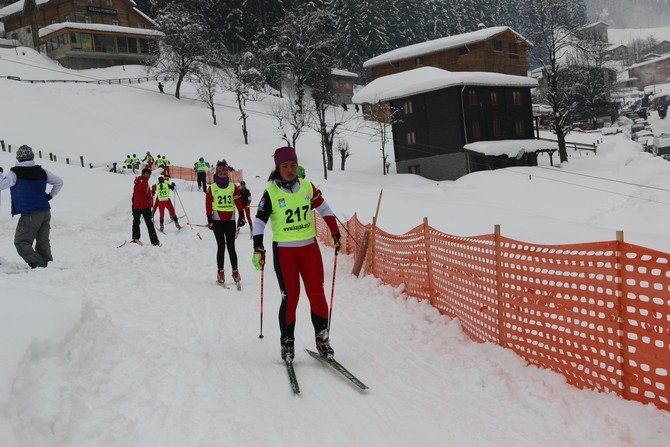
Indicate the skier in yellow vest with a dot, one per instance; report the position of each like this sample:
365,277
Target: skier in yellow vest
223,198
287,205
201,167
162,192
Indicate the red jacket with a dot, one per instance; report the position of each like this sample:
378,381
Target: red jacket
142,193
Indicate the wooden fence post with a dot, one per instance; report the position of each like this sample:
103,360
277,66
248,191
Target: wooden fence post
81,158
2,143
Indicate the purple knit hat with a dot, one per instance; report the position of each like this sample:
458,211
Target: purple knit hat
284,154
221,176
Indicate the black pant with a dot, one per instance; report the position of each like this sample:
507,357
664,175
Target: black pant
224,232
146,213
202,179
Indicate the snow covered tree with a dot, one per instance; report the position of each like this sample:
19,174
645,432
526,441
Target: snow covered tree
557,24
184,45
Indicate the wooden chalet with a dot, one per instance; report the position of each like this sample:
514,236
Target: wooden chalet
436,113
342,84
652,72
497,49
83,33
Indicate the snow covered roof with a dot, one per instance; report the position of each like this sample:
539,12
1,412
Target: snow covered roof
427,79
49,29
338,72
18,7
511,148
652,61
443,43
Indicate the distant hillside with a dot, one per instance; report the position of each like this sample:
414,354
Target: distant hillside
625,35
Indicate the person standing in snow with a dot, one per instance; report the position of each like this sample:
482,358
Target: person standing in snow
148,160
27,182
162,192
142,200
201,167
287,204
245,196
223,197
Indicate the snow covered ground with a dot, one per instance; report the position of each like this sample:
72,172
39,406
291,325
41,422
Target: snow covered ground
137,346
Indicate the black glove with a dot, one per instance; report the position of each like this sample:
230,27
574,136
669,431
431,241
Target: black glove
49,197
1,169
336,242
241,222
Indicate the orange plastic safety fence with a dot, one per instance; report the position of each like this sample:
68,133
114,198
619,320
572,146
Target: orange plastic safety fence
598,313
190,175
646,324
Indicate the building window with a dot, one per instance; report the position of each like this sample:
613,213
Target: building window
414,169
462,51
397,64
497,45
90,2
497,128
516,98
418,61
88,19
494,99
519,128
410,138
104,43
407,107
476,129
115,22
513,48
110,3
67,18
472,98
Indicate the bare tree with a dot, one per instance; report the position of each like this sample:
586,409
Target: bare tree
207,86
557,23
291,118
380,118
242,77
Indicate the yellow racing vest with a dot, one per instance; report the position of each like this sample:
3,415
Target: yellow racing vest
222,198
163,191
291,217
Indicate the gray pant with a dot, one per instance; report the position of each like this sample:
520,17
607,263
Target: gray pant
34,228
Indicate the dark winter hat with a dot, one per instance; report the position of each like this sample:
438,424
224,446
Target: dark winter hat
25,153
146,171
161,179
284,154
221,178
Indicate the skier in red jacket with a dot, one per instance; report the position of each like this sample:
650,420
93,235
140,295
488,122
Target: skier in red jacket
142,201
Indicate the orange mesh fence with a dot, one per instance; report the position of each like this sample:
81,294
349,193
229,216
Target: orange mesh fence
598,313
189,174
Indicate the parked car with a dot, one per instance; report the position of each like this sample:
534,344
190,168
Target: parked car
661,146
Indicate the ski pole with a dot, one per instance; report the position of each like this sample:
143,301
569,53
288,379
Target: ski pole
332,291
182,206
347,230
262,274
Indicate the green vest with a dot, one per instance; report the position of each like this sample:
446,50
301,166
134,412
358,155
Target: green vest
223,197
201,166
163,191
291,217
